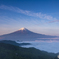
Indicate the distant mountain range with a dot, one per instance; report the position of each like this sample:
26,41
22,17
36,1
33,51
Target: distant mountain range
24,34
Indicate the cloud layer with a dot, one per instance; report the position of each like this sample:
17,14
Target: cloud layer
29,13
45,46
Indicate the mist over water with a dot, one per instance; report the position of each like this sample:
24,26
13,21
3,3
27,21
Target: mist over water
44,46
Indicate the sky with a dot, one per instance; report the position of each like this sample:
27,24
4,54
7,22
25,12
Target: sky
39,16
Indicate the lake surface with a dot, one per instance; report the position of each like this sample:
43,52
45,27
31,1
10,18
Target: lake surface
44,46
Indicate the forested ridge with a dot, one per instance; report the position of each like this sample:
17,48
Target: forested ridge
9,51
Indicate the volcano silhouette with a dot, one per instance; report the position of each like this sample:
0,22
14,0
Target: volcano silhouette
24,34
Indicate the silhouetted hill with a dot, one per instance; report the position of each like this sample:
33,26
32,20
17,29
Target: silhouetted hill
13,43
8,51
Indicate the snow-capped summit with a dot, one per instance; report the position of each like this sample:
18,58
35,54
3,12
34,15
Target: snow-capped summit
23,29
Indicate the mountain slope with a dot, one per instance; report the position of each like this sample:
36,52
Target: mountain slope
8,51
24,35
14,43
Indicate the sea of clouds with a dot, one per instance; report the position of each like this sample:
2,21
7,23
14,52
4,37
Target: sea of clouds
43,45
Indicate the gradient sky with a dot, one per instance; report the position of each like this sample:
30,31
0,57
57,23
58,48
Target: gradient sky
40,16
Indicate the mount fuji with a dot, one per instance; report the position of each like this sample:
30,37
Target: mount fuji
24,34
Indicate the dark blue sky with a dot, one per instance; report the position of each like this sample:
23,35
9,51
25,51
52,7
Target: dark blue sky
41,16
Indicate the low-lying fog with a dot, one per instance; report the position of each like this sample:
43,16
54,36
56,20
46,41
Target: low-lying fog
45,46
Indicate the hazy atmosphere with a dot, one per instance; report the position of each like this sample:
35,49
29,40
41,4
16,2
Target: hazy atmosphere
40,16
